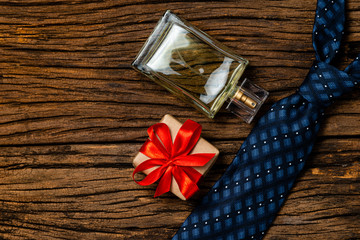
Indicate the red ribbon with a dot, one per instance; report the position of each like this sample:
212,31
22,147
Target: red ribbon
172,159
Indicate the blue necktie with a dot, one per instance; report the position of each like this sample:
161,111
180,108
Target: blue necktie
244,201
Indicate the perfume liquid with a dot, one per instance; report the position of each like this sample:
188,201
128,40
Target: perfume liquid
195,67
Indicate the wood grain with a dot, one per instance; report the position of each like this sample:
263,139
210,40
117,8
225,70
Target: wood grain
73,114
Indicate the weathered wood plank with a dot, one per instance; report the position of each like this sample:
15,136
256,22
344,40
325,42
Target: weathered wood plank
60,122
68,77
62,190
65,80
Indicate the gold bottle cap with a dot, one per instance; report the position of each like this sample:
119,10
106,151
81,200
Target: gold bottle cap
241,96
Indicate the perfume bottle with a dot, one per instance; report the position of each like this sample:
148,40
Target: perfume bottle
198,69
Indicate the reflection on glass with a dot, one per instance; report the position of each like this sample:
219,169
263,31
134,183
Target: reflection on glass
192,64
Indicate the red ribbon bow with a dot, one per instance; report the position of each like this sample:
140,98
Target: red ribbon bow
172,158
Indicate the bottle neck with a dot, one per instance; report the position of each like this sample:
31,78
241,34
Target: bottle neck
246,100
241,96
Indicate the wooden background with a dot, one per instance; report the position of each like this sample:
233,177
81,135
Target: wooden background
73,114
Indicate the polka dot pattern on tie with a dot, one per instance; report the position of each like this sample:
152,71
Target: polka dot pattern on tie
244,201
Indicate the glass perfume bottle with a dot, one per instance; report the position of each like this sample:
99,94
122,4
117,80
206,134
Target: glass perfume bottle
198,69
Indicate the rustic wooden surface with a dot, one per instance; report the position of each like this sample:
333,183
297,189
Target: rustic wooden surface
73,114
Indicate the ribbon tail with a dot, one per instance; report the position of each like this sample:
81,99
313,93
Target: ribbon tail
194,160
194,175
148,164
152,177
187,182
165,183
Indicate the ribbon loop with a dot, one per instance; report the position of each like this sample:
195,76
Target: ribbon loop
160,136
186,139
173,160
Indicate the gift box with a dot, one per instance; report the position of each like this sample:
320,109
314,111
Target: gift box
177,161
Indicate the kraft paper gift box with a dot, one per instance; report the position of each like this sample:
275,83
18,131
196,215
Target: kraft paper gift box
202,146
